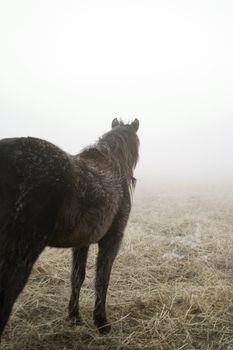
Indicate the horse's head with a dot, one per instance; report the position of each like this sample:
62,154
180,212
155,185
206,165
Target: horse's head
134,124
125,142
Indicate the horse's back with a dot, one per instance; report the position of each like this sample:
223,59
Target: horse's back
27,157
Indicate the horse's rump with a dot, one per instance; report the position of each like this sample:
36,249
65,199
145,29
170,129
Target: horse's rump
34,177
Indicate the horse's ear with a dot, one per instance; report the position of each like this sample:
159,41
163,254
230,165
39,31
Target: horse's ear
115,123
135,124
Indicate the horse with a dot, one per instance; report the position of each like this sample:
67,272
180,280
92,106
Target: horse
51,198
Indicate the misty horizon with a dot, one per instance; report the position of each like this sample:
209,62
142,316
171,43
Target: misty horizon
67,70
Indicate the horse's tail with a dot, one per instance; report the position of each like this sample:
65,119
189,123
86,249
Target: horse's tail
8,188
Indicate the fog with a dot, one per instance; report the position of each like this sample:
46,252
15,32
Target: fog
67,68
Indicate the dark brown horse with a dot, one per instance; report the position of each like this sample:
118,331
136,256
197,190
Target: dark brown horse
50,198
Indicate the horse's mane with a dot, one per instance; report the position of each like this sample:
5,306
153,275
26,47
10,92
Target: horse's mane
119,149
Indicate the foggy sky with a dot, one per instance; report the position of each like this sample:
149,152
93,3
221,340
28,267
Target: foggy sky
67,68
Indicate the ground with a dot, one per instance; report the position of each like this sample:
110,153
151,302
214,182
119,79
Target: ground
171,285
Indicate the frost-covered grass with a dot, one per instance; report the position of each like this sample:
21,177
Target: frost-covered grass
171,285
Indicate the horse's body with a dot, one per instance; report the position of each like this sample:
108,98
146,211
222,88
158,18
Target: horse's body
50,198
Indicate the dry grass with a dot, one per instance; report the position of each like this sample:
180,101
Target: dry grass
171,285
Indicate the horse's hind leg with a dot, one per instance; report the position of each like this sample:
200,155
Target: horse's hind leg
16,261
108,248
5,309
77,278
13,279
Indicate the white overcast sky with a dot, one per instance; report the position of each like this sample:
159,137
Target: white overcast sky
67,68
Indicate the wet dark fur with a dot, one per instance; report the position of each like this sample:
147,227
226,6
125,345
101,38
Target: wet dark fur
50,198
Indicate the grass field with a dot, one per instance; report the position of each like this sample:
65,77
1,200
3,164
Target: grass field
171,285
